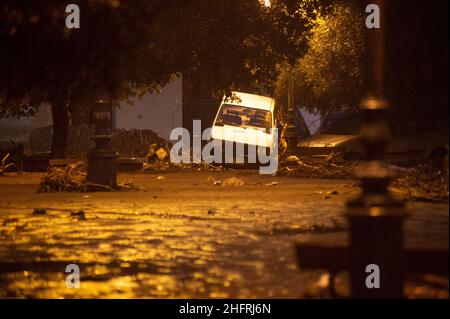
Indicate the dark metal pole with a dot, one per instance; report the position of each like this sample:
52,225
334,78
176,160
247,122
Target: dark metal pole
102,160
376,217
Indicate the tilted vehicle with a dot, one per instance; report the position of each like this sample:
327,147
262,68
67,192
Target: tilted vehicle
245,119
340,133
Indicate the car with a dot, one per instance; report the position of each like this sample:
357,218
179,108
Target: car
339,132
247,122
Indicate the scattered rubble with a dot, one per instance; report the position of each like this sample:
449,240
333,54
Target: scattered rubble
162,154
422,183
135,142
271,184
233,181
332,167
72,178
127,143
156,154
4,165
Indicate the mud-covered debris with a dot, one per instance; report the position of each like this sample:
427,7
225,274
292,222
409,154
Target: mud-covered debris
39,212
271,184
151,155
233,181
157,154
73,178
78,214
212,181
127,143
211,211
159,167
292,158
333,192
161,153
129,186
333,167
160,177
422,183
4,165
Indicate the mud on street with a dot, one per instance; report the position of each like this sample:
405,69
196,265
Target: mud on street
186,235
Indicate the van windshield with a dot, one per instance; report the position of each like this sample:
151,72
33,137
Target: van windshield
243,116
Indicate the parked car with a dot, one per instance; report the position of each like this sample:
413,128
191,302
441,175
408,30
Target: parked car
340,133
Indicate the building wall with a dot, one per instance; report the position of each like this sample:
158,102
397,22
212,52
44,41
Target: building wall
19,129
198,103
159,112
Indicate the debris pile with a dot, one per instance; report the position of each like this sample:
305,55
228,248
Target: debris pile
331,167
72,178
159,160
422,183
136,143
233,181
127,143
157,154
4,165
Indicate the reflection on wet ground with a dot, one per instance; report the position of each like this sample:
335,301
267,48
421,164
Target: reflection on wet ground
181,237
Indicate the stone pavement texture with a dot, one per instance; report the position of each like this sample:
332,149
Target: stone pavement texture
183,237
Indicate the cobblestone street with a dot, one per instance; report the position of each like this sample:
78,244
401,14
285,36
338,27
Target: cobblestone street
183,237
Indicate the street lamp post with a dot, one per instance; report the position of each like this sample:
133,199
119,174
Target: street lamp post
102,160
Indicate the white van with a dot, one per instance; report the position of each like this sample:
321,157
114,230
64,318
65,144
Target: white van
246,119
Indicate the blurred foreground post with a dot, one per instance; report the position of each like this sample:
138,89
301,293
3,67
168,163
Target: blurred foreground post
102,160
375,217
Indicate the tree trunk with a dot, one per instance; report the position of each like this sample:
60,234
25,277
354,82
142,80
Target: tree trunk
60,127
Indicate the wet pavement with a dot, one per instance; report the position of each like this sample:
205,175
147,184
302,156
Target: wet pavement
183,237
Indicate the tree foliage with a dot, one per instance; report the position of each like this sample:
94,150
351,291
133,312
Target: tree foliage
330,75
127,48
43,61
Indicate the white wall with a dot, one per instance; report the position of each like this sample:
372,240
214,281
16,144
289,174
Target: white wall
19,129
159,112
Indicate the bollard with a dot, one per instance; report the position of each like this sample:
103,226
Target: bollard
102,160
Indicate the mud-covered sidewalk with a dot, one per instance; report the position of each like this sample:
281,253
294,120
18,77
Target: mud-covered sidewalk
185,234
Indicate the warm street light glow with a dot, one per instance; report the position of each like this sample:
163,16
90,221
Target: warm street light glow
266,3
